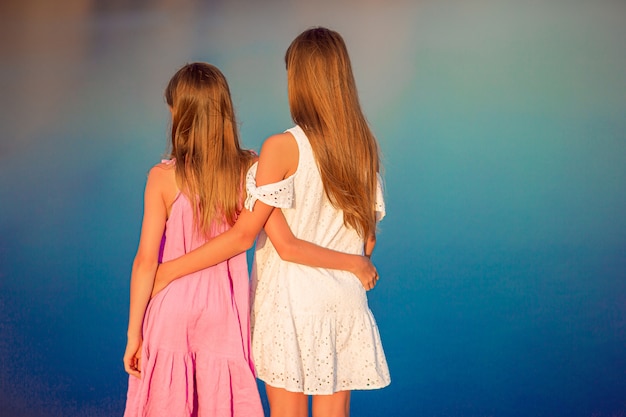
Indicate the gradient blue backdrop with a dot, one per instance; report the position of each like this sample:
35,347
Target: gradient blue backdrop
503,128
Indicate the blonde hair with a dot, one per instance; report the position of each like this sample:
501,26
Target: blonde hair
323,100
210,163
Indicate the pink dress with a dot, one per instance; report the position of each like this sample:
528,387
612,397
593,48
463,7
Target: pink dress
196,337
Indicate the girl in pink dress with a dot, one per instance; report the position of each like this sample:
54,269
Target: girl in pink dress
188,351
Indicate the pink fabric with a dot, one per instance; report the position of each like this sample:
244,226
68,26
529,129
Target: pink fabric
196,351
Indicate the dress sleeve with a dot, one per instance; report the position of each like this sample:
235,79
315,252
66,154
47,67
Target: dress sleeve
380,202
277,194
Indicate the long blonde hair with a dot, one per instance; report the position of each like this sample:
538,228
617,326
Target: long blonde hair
210,163
323,100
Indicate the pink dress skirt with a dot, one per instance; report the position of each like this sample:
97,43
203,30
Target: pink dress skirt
196,357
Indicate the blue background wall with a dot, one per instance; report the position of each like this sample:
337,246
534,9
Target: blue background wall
503,128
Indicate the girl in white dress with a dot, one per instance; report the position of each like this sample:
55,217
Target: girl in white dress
313,333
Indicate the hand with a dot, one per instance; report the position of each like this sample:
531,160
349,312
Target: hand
366,272
132,356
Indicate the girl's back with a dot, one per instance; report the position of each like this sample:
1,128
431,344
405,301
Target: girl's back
201,312
196,345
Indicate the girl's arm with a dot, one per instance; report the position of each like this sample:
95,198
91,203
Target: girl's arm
144,267
278,160
292,249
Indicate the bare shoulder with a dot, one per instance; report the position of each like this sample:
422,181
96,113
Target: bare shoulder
166,165
162,179
279,142
162,171
281,151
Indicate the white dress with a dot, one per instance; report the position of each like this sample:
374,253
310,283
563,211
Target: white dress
313,331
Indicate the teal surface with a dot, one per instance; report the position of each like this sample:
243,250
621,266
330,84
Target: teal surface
503,129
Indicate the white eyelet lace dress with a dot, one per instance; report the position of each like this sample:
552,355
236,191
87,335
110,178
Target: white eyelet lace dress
313,331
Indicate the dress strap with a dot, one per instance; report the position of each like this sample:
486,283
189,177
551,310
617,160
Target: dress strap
278,194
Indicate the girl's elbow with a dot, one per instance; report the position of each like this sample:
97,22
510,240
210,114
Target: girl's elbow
145,262
248,243
286,252
245,241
